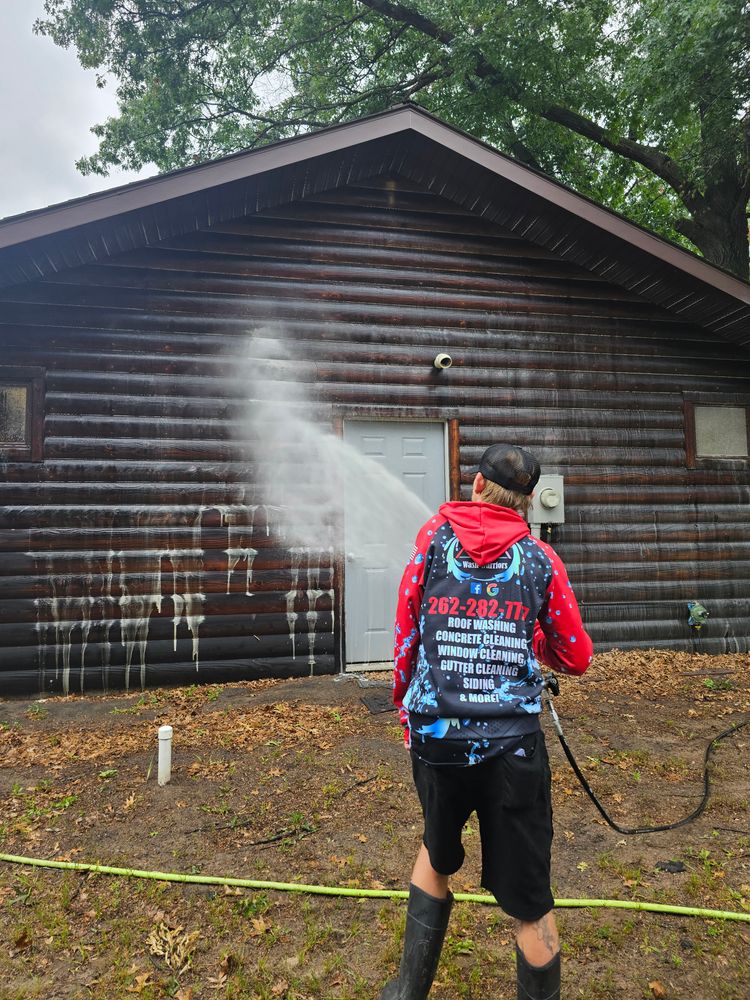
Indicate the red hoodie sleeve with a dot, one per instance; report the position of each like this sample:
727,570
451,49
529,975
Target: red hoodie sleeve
407,633
560,640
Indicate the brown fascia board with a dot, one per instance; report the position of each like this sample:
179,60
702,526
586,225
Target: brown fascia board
239,166
191,180
571,202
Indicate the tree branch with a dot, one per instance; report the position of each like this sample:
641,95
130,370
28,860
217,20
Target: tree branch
303,116
397,12
648,156
518,148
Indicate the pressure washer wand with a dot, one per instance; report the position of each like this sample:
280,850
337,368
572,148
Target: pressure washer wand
551,686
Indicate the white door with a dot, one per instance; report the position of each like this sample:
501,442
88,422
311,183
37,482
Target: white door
382,513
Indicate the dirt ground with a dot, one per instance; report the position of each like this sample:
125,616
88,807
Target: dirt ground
299,781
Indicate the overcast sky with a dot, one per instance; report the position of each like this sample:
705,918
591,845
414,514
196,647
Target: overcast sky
48,103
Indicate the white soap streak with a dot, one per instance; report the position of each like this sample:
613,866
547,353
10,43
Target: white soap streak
134,632
123,589
313,579
86,610
330,592
135,612
291,617
178,603
188,603
312,592
187,600
312,621
239,549
64,612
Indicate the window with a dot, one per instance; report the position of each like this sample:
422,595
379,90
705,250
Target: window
716,432
21,414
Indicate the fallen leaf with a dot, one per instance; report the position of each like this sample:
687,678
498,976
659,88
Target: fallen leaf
657,990
260,926
140,984
174,945
23,941
229,964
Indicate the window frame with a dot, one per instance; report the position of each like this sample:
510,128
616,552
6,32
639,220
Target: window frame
32,450
693,459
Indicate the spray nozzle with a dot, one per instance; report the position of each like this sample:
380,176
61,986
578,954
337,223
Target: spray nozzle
551,684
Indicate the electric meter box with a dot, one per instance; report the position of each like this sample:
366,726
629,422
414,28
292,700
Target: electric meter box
548,505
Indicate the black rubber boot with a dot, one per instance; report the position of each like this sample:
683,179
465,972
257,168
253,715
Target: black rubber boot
426,923
538,982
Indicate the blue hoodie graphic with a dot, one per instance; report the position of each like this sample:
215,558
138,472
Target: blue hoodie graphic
490,602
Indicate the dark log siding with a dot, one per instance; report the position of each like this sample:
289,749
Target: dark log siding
140,550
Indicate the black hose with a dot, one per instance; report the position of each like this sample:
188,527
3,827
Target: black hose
644,829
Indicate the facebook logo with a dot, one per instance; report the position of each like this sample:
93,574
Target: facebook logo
475,588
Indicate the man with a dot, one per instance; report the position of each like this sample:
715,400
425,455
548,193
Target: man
481,601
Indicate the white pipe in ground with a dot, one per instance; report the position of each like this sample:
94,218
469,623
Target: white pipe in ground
165,755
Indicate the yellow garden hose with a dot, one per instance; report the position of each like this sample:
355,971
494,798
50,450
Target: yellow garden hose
331,890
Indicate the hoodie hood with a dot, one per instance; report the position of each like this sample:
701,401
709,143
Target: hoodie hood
484,530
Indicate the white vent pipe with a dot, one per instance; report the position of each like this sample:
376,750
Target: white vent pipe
165,755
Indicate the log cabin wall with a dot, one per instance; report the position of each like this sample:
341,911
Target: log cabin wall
139,550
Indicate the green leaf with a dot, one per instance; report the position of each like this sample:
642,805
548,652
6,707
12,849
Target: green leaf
641,105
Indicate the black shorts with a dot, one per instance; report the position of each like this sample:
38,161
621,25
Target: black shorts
512,798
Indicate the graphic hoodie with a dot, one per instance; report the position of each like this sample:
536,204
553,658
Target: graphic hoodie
480,603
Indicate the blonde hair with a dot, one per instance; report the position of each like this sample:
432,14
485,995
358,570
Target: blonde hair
494,493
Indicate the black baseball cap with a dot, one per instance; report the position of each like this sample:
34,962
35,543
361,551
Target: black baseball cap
515,469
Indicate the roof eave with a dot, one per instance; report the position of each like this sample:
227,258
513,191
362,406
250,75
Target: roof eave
239,166
191,180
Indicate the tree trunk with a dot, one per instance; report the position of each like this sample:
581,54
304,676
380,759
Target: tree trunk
719,227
